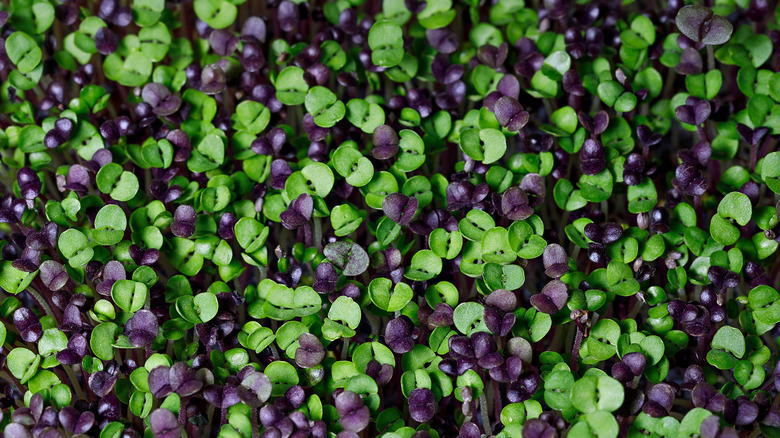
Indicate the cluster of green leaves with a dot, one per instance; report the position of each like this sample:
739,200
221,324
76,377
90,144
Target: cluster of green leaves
201,211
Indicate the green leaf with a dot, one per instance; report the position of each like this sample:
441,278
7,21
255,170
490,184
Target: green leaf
774,85
324,106
566,119
291,87
386,42
198,309
353,166
252,116
102,339
129,295
504,12
770,171
135,70
283,303
26,81
591,393
23,51
609,91
396,11
13,280
484,33
43,16
619,135
653,348
486,145
596,424
691,423
596,188
411,151
155,41
736,206
543,86
345,219
345,310
626,102
425,266
556,65
74,245
218,14
333,55
496,247
765,302
158,153
469,318
445,245
642,197
441,292
705,85
471,380
110,225
120,184
87,140
88,29
640,35
203,107
436,14
509,277
368,351
31,139
723,231
209,154
147,12
649,79
557,392
729,339
364,115
282,375
602,340
760,48
621,279
388,297
22,363
250,234
404,71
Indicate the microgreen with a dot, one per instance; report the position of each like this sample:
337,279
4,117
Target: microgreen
398,219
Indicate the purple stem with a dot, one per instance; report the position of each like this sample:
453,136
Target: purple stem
497,402
753,157
183,413
575,351
255,431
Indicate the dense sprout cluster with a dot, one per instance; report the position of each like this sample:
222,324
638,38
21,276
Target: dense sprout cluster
396,218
